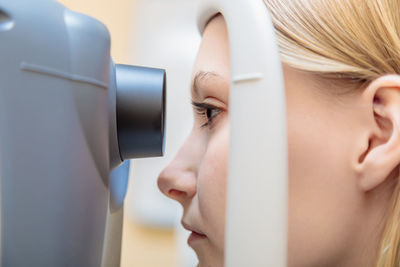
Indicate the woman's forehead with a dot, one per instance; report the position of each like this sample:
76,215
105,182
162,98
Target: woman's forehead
213,57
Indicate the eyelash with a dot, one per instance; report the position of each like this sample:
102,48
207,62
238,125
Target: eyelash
206,111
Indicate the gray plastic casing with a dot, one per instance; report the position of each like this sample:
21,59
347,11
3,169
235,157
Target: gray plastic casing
59,138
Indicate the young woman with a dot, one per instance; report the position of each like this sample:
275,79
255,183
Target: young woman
341,60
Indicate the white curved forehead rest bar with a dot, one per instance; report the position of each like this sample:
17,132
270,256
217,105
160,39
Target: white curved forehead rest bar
256,222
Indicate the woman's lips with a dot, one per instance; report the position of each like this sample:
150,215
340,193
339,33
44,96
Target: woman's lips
194,236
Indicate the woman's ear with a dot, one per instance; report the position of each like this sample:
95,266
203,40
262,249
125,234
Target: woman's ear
382,154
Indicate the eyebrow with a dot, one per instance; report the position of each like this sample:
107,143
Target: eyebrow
199,80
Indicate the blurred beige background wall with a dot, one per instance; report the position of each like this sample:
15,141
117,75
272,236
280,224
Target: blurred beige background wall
141,246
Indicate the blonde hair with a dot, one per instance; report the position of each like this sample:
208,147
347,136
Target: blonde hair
345,40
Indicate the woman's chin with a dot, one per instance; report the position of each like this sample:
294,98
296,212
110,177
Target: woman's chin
210,262
208,265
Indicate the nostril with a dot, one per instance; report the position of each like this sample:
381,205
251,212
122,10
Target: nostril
6,22
176,194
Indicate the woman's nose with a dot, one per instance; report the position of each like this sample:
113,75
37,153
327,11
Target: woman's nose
178,180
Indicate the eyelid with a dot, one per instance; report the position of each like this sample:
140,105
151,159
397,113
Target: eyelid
201,108
202,105
209,102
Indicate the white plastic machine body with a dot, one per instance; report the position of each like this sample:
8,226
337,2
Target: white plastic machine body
256,230
68,117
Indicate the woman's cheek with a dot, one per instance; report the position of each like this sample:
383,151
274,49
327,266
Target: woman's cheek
212,182
216,160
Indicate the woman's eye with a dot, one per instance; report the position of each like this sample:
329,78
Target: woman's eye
209,112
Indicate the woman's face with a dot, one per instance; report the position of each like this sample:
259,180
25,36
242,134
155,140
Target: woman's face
197,176
325,206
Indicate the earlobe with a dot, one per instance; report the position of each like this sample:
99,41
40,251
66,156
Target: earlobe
382,155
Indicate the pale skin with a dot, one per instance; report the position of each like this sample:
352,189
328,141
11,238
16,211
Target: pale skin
343,152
